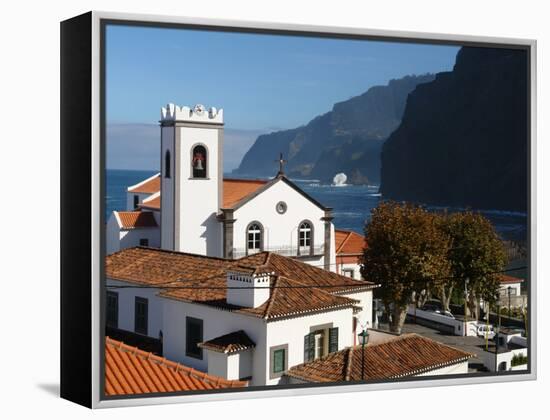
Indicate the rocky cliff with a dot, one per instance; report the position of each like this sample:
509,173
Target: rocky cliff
463,138
347,139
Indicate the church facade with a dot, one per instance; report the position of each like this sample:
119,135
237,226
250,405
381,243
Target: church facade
190,207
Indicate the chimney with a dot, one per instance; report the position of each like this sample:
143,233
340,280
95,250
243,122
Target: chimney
248,290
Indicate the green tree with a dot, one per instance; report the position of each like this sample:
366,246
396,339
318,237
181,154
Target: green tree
407,251
475,255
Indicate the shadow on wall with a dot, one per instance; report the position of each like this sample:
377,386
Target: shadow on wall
212,235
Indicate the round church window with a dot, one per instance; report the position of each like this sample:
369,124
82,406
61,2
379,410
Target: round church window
281,207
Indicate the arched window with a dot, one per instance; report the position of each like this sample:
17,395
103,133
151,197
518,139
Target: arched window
167,164
199,161
254,238
305,238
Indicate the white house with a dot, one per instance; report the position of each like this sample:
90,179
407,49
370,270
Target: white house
251,318
200,212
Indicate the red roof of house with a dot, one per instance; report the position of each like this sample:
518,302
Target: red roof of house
149,186
229,343
129,370
296,288
348,242
234,190
505,279
136,219
406,355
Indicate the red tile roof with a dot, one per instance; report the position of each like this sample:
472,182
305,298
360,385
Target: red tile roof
234,190
229,343
306,273
129,370
152,203
407,355
136,219
149,186
348,242
287,298
505,279
296,288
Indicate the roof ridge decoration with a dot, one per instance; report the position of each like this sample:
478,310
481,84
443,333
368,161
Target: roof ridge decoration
197,114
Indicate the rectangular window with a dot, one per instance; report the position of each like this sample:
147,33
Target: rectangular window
279,361
333,340
112,309
348,272
144,242
278,356
141,315
193,336
309,347
136,201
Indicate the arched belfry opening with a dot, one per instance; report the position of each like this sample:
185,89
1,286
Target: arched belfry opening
199,161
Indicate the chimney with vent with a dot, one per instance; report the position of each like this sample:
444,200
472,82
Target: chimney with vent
248,290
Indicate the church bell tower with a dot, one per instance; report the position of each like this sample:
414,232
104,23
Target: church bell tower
191,179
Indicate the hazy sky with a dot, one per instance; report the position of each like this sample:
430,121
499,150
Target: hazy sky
263,82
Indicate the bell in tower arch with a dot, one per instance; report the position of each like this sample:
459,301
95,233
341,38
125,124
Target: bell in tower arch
199,162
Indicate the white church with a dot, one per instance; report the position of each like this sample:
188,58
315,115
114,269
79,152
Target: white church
190,207
242,279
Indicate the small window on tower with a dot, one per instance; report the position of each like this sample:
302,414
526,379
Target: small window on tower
167,164
199,162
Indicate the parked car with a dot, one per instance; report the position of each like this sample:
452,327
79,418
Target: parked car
486,331
445,313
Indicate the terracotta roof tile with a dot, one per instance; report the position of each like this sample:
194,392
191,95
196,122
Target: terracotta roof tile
305,273
505,279
149,186
287,298
407,355
136,219
229,343
234,190
348,242
129,370
152,202
184,277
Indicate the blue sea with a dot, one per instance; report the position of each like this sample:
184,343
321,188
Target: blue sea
352,204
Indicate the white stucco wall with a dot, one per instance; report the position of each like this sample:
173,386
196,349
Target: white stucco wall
112,235
131,237
130,199
167,186
280,230
341,267
126,307
292,331
215,323
365,302
458,368
117,239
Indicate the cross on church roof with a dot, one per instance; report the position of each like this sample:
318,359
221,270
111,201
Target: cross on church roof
281,163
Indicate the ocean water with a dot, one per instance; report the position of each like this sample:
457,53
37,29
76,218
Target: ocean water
351,204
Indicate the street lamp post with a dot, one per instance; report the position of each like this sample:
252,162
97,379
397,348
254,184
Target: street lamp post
364,339
465,306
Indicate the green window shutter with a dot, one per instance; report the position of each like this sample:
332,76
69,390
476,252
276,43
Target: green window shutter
279,361
309,347
332,340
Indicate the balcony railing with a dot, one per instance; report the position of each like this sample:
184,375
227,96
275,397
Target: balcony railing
286,250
